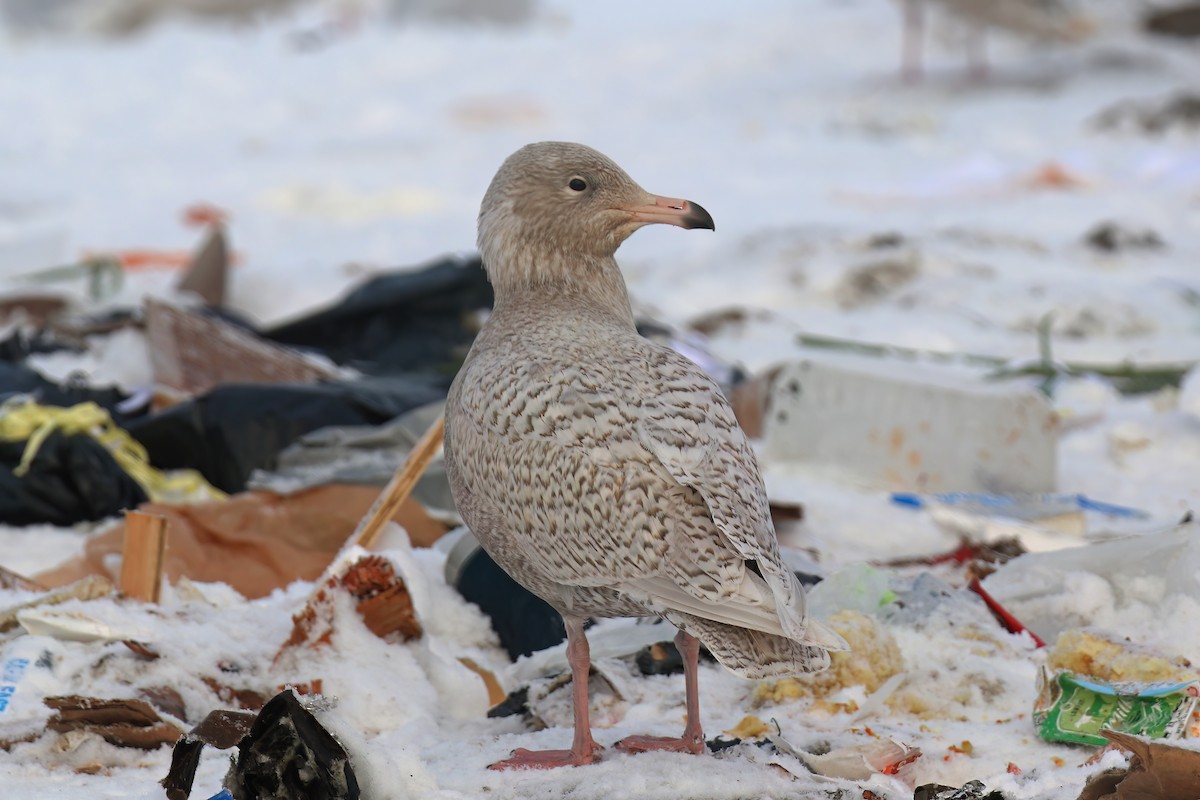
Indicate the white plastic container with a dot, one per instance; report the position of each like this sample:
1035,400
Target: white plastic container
906,426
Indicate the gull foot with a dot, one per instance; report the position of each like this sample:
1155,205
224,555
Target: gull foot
670,744
547,759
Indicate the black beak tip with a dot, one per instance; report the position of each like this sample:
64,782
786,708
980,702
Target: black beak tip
697,217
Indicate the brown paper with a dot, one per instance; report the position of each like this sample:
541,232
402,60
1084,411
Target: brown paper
1156,772
255,541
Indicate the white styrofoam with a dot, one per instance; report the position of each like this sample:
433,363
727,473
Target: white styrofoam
911,427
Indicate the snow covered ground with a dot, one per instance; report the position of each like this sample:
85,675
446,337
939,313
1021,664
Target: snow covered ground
370,147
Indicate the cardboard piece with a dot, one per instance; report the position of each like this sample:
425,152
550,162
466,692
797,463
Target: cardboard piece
125,723
193,352
382,600
208,273
1156,772
220,729
255,541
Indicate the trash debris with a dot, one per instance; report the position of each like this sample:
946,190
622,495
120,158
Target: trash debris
1010,623
142,556
749,727
1033,588
1113,237
972,790
381,598
930,429
1181,20
495,691
220,729
235,429
1108,657
193,353
32,309
1070,708
976,554
660,658
877,278
207,273
1179,111
1038,521
105,274
1053,175
10,676
363,454
255,542
65,480
13,580
524,622
859,586
413,321
124,722
73,626
514,704
22,419
873,658
1156,771
855,762
283,751
89,587
1127,377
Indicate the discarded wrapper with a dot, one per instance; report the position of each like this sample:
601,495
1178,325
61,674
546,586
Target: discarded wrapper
856,762
89,588
1070,708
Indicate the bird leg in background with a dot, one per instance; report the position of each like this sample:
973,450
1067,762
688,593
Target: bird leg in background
914,30
692,740
584,749
977,60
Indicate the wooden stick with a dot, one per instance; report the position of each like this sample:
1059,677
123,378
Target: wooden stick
142,557
399,487
382,510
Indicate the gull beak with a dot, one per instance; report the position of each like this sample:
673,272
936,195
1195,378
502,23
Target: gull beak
672,211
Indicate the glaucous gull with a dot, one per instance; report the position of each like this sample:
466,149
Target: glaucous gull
605,473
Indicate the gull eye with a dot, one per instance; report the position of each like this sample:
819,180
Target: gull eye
577,184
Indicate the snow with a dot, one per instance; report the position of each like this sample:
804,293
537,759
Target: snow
372,149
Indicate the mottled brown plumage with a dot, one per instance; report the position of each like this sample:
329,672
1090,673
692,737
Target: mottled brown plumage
606,473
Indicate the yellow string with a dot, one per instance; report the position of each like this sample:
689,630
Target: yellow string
23,419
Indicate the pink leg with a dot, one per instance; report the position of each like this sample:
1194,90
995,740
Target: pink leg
914,30
692,740
584,749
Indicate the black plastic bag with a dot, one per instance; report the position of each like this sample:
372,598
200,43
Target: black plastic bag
234,430
417,321
71,479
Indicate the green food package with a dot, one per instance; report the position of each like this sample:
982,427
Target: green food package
1074,708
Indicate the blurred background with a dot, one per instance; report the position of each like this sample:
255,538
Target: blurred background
343,136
